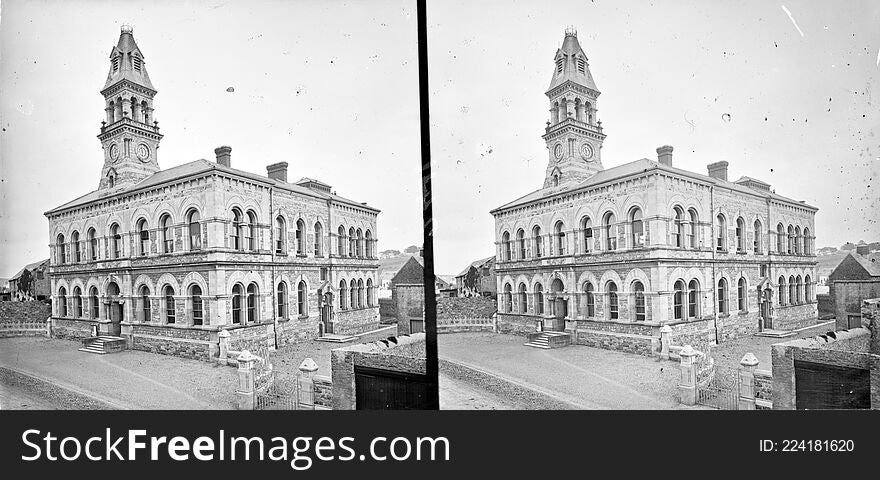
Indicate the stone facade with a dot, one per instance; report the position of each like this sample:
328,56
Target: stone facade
167,258
409,306
464,307
621,251
855,279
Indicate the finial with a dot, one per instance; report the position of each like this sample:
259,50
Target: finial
570,31
126,28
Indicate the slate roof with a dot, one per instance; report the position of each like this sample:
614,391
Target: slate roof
410,273
30,266
844,271
126,71
476,264
571,47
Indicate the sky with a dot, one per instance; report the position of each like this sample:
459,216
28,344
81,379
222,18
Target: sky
329,87
791,100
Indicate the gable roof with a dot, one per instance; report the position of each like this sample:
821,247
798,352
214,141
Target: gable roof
476,264
856,267
411,273
31,267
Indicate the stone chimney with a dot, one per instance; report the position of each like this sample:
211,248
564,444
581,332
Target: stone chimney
277,171
718,170
664,155
224,155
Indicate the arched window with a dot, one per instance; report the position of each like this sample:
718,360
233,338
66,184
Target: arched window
678,228
539,299
193,219
521,244
302,303
559,233
781,291
280,235
351,242
352,287
319,239
370,300
368,244
144,313
639,294
77,302
722,295
343,294
613,313
759,238
340,242
360,293
610,232
143,236
591,299
800,289
678,300
790,245
693,229
798,240
281,303
740,235
359,244
539,242
93,303
237,293
808,286
587,227
300,237
74,243
62,302
693,295
507,298
720,233
251,231
637,228
115,241
235,235
808,242
505,246
252,312
93,244
792,291
196,310
167,234
523,302
780,239
59,249
170,311
741,297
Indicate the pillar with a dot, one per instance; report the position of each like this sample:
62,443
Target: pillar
223,339
747,382
687,387
245,392
305,392
665,341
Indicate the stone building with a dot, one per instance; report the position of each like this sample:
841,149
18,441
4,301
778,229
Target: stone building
408,297
855,279
477,279
608,256
31,282
168,258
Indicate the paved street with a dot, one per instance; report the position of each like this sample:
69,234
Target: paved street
587,378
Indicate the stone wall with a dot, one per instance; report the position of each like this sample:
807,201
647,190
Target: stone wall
516,324
23,318
825,305
737,325
70,329
387,311
353,322
193,343
793,317
465,307
323,391
764,385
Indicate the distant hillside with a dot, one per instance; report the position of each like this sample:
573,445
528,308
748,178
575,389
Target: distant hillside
827,263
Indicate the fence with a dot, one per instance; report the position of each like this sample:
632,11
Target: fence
704,383
261,387
453,325
25,328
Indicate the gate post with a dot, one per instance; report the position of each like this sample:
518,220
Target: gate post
245,392
49,327
224,347
687,387
665,341
747,382
305,383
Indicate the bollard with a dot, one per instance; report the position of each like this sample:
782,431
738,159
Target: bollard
687,387
665,341
305,395
245,392
747,382
224,347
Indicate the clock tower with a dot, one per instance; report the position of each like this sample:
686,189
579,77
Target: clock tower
129,134
574,133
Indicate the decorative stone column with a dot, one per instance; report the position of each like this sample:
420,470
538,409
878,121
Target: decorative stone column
665,341
687,387
747,382
245,392
223,337
305,392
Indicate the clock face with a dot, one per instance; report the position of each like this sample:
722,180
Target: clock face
114,152
587,152
143,152
557,151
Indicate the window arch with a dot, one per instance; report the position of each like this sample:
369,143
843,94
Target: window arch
237,294
193,220
591,299
368,244
506,299
144,307
280,235
613,307
62,302
353,292
693,229
319,239
587,228
281,299
167,234
351,242
559,234
722,295
359,243
252,310
251,231
693,296
360,295
523,302
300,237
505,246
92,238
637,228
678,300
343,294
720,233
780,239
678,227
115,241
781,291
808,242
741,295
77,302
143,236
340,242
94,307
59,248
195,305
539,242
808,286
237,229
74,243
539,299
790,244
639,295
170,311
740,235
521,244
610,232
792,290
797,241
800,289
302,301
758,243
370,301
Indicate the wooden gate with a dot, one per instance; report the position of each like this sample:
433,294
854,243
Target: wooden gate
719,389
377,389
823,386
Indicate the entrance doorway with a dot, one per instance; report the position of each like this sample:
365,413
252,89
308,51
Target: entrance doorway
766,308
114,310
326,308
559,304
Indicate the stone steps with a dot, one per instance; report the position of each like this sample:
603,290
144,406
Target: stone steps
103,345
548,340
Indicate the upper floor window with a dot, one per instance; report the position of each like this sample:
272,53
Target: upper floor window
741,295
587,227
780,238
610,232
351,242
74,242
560,238
235,232
720,233
693,229
613,312
520,244
693,296
797,241
59,249
319,239
280,231
678,300
300,237
196,310
167,233
368,244
195,229
282,300
170,311
340,242
359,244
539,242
759,235
639,294
251,230
790,246
144,237
302,303
115,241
722,295
93,244
637,228
505,246
740,235
677,227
